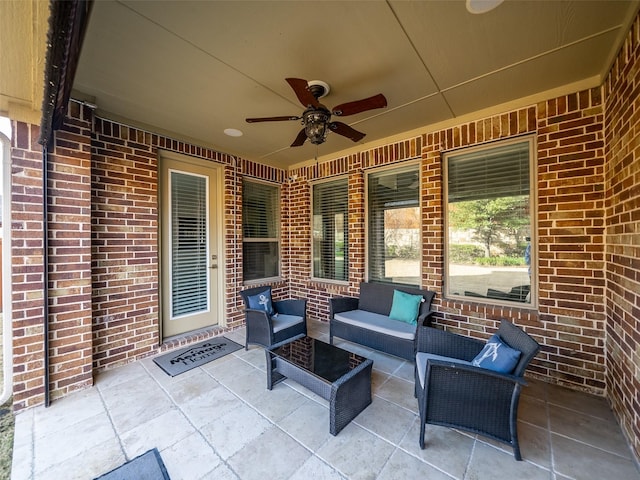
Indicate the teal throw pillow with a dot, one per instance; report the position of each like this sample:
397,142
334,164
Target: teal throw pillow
405,307
262,301
497,356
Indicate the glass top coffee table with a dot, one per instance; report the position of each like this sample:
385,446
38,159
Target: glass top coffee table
341,377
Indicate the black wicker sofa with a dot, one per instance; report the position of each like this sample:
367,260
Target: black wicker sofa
365,319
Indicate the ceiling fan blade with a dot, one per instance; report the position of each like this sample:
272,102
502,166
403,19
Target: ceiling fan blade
346,131
300,139
272,119
350,108
301,88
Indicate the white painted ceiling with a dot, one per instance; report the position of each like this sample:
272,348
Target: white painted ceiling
194,68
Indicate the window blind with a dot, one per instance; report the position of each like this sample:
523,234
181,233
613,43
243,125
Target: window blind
492,173
189,274
330,230
259,210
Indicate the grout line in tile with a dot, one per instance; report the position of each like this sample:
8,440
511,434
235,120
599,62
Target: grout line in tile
264,416
113,426
33,445
395,449
552,455
199,430
574,410
319,447
468,465
577,440
426,462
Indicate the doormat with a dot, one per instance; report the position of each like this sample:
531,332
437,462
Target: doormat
180,361
148,466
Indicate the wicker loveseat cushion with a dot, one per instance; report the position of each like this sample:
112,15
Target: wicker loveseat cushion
377,322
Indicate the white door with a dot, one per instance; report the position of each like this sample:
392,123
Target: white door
190,257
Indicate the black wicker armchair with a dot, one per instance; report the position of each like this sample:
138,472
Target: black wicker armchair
288,320
454,393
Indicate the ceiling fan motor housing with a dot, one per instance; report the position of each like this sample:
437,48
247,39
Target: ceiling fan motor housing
318,88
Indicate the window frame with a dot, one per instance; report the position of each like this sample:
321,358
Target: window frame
533,215
341,178
277,240
407,166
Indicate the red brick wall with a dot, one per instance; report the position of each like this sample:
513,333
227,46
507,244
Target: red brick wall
125,239
569,323
622,236
467,318
70,349
103,249
571,233
570,320
233,240
27,270
124,231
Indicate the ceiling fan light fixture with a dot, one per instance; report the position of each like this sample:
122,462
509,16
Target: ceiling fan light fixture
315,125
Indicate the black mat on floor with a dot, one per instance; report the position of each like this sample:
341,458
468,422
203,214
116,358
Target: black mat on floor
148,466
180,361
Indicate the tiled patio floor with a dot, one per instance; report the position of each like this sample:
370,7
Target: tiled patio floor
219,422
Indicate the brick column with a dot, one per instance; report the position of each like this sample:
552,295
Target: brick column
622,244
27,270
69,225
233,243
571,232
124,190
357,209
432,216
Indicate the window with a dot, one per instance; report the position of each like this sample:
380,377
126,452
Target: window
189,243
261,232
489,222
330,230
394,226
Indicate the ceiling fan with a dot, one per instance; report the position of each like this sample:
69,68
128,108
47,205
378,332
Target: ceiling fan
316,118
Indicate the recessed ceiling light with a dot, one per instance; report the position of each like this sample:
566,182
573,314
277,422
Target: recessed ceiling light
232,132
482,6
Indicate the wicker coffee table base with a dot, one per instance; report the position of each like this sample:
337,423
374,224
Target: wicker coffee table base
347,396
